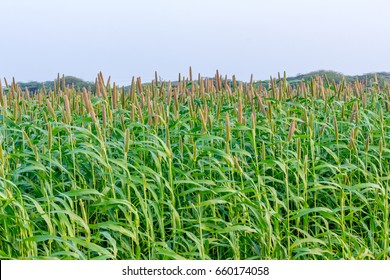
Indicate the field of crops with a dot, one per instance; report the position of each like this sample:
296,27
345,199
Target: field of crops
199,169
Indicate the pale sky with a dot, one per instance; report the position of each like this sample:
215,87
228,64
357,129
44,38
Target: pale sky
40,38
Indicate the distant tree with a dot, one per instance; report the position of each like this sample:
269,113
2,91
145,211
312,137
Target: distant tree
74,81
34,86
31,86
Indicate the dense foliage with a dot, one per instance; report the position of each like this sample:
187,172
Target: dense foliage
199,170
68,81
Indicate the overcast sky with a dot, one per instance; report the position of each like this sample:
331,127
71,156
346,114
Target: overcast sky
40,38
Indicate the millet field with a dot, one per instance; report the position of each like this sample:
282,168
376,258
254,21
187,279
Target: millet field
201,168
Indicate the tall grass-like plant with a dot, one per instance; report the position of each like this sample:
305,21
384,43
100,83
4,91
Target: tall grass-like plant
198,169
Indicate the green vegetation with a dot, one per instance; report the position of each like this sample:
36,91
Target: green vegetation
201,170
70,81
382,77
332,76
